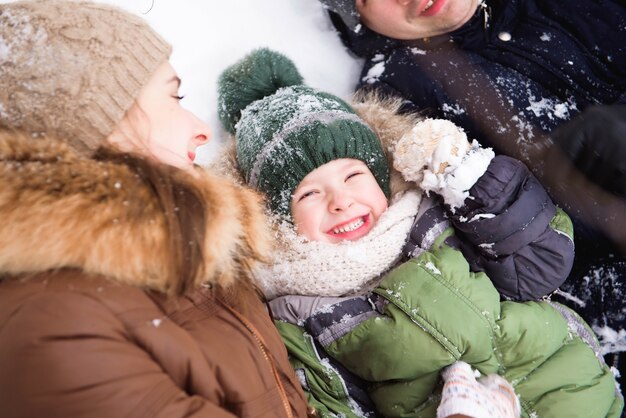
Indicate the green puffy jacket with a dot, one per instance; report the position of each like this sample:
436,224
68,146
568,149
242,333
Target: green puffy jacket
428,313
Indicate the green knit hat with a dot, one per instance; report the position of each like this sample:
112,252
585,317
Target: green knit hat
284,130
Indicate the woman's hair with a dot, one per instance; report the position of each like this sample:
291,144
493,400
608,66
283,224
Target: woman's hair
183,208
185,219
181,203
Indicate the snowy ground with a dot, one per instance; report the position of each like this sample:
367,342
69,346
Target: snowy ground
209,35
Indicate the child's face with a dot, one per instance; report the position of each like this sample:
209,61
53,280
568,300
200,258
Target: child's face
340,200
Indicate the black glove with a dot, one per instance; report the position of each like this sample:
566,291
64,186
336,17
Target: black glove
595,142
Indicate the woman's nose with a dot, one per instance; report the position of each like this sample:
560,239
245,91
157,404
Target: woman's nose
203,138
203,132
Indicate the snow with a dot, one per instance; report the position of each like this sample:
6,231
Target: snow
549,107
482,216
452,108
612,340
571,297
546,37
5,49
302,379
430,266
460,174
374,73
208,36
602,285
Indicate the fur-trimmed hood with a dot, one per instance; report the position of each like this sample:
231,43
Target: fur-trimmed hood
61,210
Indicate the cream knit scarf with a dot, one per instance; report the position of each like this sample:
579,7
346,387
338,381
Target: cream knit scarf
302,267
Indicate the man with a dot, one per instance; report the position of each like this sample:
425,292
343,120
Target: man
459,59
521,76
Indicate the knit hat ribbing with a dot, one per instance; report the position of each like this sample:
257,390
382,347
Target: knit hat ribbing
72,69
285,130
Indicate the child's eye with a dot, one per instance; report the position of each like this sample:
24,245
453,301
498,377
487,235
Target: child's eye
178,97
352,175
307,194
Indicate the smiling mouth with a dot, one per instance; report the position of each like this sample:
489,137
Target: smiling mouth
352,226
428,5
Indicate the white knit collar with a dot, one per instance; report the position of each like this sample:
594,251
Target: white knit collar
304,267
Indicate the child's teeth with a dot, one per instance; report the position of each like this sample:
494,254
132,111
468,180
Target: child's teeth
430,3
348,228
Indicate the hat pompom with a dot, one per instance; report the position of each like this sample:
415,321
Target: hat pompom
259,74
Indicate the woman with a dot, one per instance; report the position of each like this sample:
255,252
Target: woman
124,286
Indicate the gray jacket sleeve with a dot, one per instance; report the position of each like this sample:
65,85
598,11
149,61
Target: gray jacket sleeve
509,228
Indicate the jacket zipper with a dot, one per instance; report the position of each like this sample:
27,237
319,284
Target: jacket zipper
266,354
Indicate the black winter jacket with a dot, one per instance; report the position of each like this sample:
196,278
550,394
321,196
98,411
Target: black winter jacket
537,62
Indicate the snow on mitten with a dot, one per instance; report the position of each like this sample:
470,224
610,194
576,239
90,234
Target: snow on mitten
437,155
491,396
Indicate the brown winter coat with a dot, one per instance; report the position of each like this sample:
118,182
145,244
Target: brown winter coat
87,328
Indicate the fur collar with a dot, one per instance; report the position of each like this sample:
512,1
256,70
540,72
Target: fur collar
60,210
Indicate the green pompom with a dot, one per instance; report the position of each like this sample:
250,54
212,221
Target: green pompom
259,74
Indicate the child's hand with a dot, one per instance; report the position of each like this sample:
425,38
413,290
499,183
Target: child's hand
437,155
489,397
432,144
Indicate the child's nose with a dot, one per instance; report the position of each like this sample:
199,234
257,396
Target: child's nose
339,202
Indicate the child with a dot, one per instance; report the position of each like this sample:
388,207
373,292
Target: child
343,223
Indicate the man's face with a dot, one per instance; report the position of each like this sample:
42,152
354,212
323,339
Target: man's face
413,19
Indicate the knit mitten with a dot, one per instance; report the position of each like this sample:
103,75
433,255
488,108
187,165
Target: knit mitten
437,155
489,397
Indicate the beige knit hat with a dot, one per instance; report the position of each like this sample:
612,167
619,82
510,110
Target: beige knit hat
71,69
